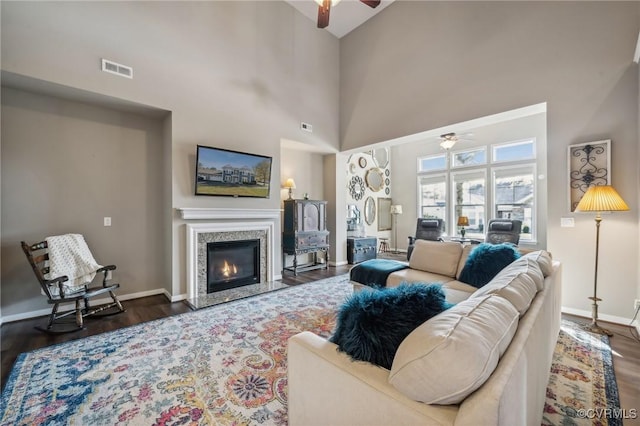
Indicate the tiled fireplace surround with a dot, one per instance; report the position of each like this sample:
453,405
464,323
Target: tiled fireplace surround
220,224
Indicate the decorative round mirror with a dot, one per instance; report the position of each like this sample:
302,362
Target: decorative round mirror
369,210
374,179
380,157
356,188
352,168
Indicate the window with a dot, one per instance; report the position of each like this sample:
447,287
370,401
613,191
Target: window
433,197
514,151
469,158
469,200
468,183
514,196
433,162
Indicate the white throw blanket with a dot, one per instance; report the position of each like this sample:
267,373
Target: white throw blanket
69,255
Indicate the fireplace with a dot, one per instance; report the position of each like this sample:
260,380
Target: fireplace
232,264
227,225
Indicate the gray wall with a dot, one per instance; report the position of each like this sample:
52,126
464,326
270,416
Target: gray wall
67,165
440,63
237,75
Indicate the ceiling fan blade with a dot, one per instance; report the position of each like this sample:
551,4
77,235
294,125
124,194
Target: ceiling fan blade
323,13
371,3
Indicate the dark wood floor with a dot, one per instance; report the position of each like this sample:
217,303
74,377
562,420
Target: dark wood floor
20,336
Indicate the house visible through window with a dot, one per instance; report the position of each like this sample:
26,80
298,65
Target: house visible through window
467,183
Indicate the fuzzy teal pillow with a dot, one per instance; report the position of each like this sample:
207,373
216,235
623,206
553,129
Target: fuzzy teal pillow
485,261
371,324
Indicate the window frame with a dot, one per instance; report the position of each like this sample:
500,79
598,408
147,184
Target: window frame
513,143
453,154
481,173
420,159
488,169
520,168
436,177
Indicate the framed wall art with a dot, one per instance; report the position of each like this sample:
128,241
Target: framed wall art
589,164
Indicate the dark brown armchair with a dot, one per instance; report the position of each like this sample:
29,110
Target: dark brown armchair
503,231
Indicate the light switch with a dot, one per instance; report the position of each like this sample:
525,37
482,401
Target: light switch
567,222
107,221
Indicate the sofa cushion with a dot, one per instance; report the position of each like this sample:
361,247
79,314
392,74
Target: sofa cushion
439,257
463,258
415,276
518,283
448,357
485,261
456,291
543,258
371,324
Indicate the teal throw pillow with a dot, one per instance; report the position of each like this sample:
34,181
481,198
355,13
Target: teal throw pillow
372,323
485,261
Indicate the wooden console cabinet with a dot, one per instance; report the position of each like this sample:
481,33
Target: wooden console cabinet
305,232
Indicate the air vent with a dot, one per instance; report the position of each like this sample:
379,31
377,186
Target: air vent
117,69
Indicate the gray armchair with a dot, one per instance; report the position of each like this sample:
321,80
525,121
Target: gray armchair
426,229
503,231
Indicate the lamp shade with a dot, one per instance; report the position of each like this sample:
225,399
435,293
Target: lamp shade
290,184
448,143
463,221
396,209
601,198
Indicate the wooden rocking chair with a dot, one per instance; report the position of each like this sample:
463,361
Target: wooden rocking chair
58,293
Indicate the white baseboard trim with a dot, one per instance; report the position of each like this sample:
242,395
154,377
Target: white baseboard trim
176,298
69,306
341,263
277,277
604,317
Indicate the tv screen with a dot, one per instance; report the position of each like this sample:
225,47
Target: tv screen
223,172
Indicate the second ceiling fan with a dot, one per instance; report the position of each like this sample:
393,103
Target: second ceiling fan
325,7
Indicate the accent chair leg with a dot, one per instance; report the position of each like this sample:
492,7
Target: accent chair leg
52,317
116,301
79,321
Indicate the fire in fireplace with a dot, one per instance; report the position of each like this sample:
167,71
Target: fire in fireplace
232,264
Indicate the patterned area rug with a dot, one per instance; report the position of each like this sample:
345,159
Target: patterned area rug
226,365
582,388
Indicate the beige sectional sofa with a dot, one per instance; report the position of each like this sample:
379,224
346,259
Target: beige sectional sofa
485,361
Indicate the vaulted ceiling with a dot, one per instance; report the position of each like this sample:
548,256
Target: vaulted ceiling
345,16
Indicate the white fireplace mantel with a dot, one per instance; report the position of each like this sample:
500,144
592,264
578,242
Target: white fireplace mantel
227,220
191,213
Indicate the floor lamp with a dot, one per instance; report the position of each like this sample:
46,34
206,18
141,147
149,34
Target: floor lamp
601,198
396,209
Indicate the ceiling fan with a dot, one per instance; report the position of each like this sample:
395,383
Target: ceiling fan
448,140
325,7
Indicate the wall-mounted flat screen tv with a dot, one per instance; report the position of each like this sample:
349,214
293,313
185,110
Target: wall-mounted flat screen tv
223,172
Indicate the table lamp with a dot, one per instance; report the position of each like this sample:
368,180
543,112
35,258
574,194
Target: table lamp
290,184
462,222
